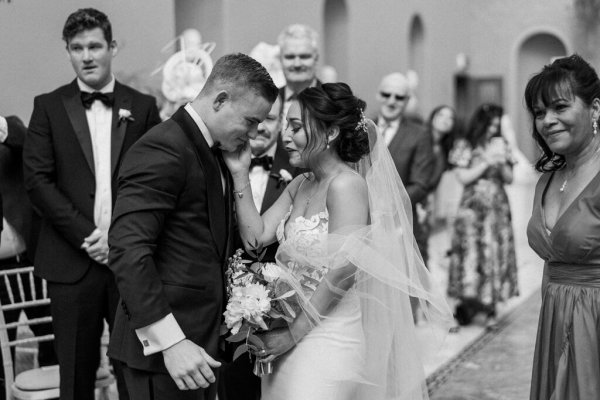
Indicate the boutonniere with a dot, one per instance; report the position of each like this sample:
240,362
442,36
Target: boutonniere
283,177
125,115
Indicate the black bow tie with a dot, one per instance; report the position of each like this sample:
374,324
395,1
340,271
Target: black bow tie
88,98
265,161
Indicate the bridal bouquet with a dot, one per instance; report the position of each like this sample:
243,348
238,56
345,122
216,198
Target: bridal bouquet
257,301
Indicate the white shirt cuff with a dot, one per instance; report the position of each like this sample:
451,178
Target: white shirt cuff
3,129
160,335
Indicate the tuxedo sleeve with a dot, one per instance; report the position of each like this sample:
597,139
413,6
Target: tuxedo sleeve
150,179
421,169
39,171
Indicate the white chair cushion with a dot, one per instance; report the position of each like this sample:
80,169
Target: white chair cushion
38,379
47,378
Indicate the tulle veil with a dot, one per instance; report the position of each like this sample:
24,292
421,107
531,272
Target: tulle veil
390,270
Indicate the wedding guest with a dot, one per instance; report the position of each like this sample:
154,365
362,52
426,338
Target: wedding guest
563,100
76,140
172,231
409,145
17,244
482,256
343,245
299,53
270,172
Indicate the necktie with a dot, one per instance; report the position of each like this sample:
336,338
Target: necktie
88,98
265,161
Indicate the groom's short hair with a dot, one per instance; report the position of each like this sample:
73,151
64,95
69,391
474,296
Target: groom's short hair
241,71
85,19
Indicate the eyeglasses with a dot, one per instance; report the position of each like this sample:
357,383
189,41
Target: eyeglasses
397,97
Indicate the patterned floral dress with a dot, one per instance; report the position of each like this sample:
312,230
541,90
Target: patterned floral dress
482,256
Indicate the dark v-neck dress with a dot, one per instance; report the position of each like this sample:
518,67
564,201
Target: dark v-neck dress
566,364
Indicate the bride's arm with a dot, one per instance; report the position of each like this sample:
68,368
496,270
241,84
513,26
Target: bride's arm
253,227
348,206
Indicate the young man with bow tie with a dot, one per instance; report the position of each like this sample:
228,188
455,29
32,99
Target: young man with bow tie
76,140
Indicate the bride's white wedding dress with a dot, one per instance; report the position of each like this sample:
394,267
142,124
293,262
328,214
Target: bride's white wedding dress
327,362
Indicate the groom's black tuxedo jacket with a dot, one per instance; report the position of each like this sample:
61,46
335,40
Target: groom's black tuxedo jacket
169,239
59,172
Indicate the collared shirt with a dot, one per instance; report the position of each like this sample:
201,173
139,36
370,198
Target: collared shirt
388,129
259,178
11,243
166,332
99,119
206,133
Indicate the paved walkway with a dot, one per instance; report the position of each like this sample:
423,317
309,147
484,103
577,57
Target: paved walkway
496,366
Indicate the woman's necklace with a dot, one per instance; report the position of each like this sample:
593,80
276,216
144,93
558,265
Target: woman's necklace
574,171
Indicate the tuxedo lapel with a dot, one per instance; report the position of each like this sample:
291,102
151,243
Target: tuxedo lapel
123,101
76,112
217,205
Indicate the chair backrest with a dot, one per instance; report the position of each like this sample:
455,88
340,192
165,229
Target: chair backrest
16,283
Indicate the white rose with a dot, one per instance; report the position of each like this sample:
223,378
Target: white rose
285,176
271,272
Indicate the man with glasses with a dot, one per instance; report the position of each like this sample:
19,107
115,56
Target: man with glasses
409,145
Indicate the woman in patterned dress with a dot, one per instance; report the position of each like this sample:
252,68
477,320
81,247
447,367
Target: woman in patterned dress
482,255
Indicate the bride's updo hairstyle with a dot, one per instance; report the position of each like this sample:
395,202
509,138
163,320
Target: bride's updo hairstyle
333,104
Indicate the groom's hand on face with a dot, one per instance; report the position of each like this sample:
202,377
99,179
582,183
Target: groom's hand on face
189,365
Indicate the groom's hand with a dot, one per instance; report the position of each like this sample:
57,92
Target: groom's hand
189,365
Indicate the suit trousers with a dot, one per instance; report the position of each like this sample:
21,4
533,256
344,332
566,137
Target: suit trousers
144,385
78,313
46,354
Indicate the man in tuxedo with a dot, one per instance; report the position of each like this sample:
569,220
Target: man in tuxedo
172,233
409,143
17,245
270,170
299,55
76,141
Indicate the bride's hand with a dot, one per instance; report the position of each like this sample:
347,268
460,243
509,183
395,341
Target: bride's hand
277,342
238,160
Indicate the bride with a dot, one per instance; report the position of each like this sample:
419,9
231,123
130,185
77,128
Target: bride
346,247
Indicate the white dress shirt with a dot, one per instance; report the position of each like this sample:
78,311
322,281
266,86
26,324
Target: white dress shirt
388,129
259,178
99,118
166,332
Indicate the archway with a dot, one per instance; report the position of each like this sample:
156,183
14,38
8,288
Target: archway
336,37
416,60
535,51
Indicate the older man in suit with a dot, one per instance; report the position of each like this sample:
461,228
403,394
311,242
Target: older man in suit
172,230
409,144
299,54
77,138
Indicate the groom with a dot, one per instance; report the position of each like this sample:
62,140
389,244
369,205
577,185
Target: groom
171,234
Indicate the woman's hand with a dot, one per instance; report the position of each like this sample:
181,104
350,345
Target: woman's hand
277,342
238,161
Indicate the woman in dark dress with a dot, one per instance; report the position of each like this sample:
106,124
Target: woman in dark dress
564,102
483,266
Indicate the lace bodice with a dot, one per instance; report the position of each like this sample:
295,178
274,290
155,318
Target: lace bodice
306,235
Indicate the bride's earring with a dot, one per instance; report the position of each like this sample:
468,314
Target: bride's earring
595,126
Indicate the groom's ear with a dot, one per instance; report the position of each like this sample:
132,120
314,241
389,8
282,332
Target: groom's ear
220,99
